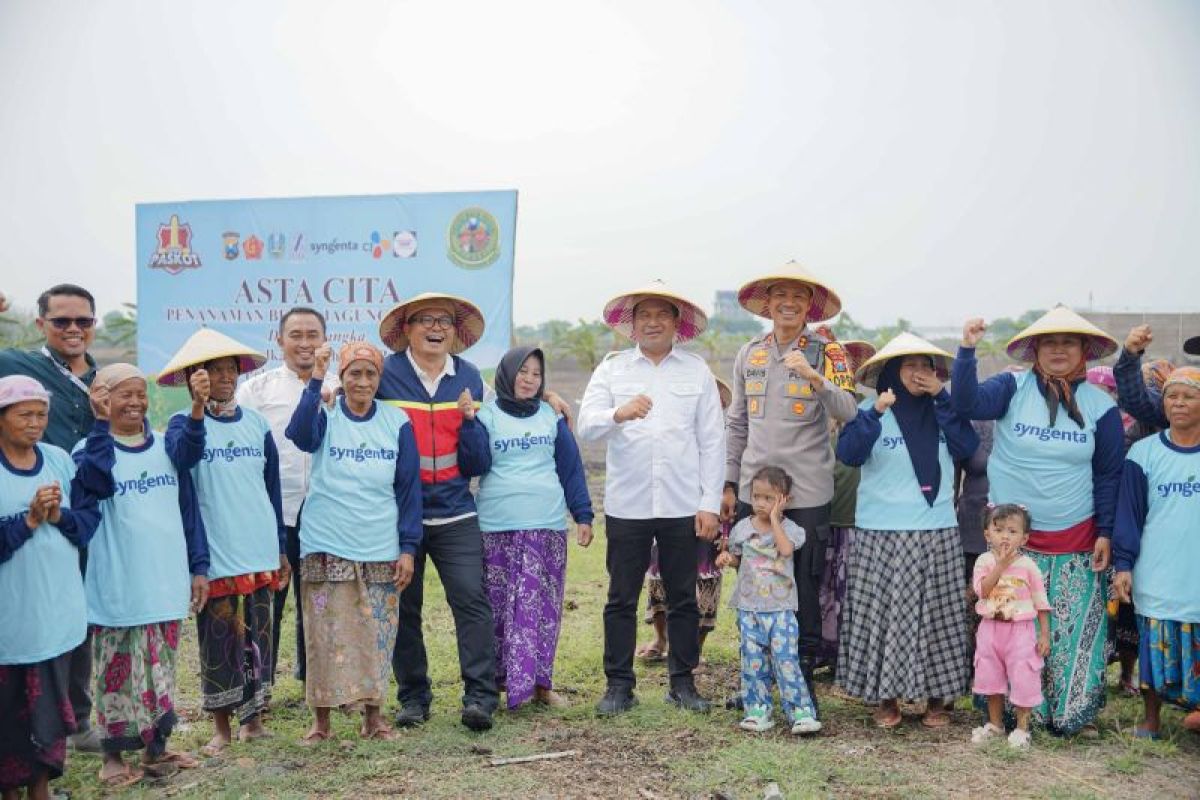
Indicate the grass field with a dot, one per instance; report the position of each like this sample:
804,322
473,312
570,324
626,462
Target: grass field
654,751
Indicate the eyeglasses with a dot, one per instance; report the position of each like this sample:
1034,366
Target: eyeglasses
62,323
430,321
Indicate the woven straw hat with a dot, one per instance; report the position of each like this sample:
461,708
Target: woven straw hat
906,344
858,351
203,346
1060,319
468,321
618,312
825,302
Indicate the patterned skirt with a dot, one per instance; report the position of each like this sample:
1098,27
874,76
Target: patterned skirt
1170,660
525,571
1073,679
903,633
134,669
35,720
234,638
833,591
708,584
351,613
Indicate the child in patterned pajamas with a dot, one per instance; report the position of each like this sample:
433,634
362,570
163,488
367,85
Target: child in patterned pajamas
765,599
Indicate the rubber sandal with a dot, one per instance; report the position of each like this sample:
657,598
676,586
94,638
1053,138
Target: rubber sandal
382,734
935,719
181,760
1142,733
127,777
889,722
313,738
651,654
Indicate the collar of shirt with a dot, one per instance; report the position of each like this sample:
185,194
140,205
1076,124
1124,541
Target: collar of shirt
673,353
430,381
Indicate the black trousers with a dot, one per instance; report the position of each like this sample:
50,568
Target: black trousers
809,563
293,554
627,559
79,679
457,551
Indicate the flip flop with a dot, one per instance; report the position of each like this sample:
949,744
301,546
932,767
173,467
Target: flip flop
127,777
211,750
889,722
382,733
651,654
935,719
181,760
313,738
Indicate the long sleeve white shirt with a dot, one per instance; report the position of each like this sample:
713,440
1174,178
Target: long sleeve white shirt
672,462
275,394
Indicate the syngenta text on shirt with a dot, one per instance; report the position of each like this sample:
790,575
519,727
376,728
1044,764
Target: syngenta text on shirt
361,453
1046,434
1188,488
144,483
522,442
231,451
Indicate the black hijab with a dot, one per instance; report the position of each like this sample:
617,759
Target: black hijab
506,381
918,423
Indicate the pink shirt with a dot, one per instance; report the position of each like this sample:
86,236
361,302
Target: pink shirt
1017,596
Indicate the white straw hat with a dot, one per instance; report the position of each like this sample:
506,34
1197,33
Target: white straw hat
1060,319
906,344
203,346
825,302
618,312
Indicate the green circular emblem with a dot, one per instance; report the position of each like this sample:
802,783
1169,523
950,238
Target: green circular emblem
473,239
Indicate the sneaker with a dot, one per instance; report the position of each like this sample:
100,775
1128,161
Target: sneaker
87,741
983,733
1019,739
757,720
616,700
411,715
688,698
805,723
477,718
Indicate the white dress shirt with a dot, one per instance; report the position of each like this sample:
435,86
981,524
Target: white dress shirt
275,394
672,462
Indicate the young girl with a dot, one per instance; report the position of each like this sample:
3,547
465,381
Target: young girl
765,599
1007,651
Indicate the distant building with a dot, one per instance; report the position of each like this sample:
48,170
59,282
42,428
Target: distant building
1171,329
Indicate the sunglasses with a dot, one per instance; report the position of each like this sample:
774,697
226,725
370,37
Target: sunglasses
62,323
430,321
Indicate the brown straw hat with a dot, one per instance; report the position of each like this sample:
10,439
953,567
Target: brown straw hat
468,321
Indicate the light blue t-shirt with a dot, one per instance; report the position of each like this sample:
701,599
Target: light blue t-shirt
889,494
350,510
522,490
1046,469
243,533
137,571
1164,575
42,611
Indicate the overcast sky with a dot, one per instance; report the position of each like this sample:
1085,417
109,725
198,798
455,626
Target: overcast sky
931,160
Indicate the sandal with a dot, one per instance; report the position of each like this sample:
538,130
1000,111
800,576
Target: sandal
937,717
381,733
888,718
651,653
120,780
181,760
313,738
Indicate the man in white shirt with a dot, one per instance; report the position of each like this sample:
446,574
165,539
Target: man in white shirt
659,410
275,394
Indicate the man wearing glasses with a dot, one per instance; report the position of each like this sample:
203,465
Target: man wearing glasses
67,318
440,392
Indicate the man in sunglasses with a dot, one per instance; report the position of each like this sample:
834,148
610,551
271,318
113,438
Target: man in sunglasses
67,318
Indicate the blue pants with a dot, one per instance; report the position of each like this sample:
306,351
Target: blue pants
769,652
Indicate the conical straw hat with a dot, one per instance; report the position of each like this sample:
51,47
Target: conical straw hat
618,312
906,344
202,346
825,302
858,351
1060,319
468,321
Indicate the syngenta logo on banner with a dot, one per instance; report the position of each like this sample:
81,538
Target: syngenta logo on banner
173,248
361,453
1046,434
144,483
1187,488
230,451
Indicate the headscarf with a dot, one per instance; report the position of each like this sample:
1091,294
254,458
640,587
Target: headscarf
21,388
1183,376
1059,390
917,421
1156,372
359,351
506,382
115,374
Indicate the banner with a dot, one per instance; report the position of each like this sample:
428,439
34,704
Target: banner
238,265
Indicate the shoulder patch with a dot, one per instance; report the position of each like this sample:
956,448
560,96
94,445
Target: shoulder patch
837,367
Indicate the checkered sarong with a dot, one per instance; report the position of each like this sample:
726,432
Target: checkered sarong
903,634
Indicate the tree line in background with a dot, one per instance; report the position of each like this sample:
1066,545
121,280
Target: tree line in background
584,341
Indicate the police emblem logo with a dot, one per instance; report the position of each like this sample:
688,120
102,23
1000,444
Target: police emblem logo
473,239
758,358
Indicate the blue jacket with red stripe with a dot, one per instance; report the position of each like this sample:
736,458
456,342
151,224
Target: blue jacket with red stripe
453,450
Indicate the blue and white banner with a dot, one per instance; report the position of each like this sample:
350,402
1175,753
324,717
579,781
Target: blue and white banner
238,265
